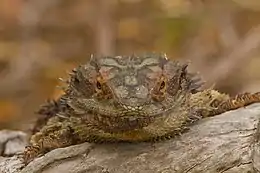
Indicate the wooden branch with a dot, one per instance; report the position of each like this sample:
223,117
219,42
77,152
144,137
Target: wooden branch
225,143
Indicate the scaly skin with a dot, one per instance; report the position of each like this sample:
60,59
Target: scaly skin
127,99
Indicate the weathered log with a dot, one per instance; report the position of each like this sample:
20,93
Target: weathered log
225,143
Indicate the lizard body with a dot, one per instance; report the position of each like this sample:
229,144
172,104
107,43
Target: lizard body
127,99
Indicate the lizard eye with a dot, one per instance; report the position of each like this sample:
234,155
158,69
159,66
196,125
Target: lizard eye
102,89
159,91
98,84
163,85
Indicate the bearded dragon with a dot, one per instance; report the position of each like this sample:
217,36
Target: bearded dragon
127,99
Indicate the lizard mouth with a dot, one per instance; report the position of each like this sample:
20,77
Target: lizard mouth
123,109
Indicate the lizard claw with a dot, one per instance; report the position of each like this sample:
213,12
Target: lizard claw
30,153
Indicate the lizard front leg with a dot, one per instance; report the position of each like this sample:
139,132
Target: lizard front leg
54,135
211,102
240,100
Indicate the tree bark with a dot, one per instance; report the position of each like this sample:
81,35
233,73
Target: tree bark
226,143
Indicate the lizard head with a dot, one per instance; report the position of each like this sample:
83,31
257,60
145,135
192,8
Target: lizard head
129,92
130,86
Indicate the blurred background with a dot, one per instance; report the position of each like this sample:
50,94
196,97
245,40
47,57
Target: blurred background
42,39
